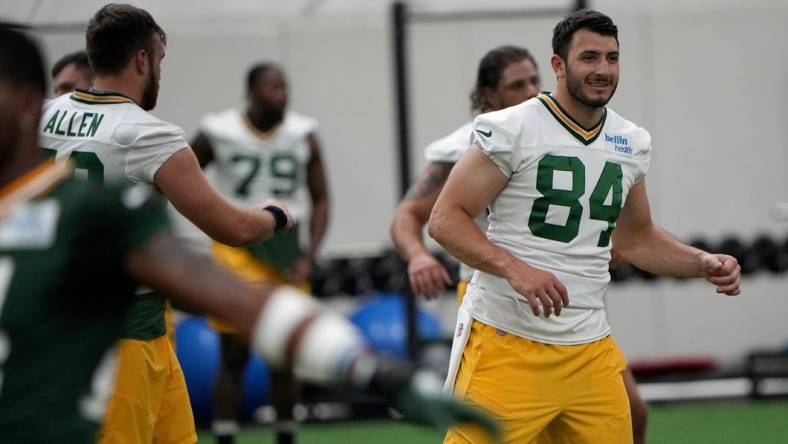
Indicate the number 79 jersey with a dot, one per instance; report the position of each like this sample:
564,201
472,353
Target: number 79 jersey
567,185
251,166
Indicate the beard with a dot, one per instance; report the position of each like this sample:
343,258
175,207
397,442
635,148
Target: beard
575,87
273,114
151,93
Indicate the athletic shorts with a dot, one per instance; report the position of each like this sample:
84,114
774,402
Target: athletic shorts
150,403
243,264
560,393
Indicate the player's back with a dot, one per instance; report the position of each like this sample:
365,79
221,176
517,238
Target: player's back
108,136
64,296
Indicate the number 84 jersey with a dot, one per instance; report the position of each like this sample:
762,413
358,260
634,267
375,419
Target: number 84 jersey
251,165
567,185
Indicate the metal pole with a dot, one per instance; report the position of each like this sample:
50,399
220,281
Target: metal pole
399,17
399,27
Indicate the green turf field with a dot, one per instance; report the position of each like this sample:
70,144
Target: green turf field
691,423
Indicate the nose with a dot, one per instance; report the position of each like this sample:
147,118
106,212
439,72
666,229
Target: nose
604,68
532,90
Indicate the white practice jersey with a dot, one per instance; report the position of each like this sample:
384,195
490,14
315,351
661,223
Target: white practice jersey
107,135
449,149
567,185
251,166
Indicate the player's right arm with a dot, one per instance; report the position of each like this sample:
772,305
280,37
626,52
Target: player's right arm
427,276
474,182
182,181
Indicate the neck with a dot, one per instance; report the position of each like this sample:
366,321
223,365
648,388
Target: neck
583,114
26,156
119,83
261,119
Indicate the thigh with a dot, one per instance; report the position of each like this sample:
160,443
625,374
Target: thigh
175,421
510,377
134,404
597,406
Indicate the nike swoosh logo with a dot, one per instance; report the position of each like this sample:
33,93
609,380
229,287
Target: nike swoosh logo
484,133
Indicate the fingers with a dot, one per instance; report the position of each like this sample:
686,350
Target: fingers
420,285
547,303
561,291
446,277
429,281
729,264
542,289
727,277
732,289
711,264
557,300
533,302
724,280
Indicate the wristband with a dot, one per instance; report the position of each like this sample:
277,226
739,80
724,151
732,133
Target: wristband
279,216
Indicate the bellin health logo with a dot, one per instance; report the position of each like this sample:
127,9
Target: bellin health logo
620,143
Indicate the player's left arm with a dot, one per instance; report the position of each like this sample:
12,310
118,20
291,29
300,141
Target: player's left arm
318,192
649,247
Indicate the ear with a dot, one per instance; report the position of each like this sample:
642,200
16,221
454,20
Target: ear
492,97
30,102
558,65
141,62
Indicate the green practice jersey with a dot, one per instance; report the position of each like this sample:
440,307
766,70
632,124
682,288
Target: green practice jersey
64,294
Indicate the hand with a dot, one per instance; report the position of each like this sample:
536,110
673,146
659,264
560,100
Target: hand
616,260
442,412
539,287
427,276
300,270
283,207
723,271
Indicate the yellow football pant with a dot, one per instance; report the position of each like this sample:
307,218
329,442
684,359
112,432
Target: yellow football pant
150,403
243,264
561,393
462,287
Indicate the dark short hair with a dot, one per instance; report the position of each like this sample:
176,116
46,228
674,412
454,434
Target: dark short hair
115,33
491,67
21,63
591,20
259,70
79,58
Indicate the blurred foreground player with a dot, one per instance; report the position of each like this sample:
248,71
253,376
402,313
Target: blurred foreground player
71,255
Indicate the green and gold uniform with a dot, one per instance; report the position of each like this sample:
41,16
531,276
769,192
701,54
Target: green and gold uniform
109,137
64,294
